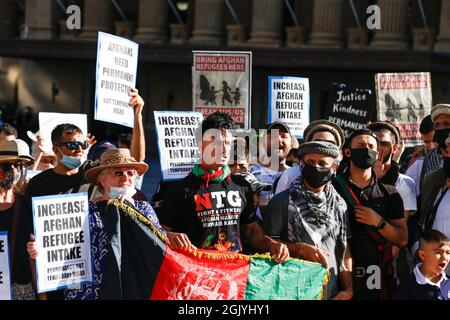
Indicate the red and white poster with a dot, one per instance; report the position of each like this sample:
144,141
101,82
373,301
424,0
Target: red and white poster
221,81
405,99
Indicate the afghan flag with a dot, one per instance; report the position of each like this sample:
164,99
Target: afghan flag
160,273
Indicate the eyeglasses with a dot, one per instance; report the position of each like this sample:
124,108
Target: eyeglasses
7,166
120,174
73,145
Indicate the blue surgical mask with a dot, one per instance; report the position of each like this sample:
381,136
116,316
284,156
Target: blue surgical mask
72,162
115,192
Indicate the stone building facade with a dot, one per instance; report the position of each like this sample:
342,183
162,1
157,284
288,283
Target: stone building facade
50,68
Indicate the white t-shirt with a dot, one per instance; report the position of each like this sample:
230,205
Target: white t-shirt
287,178
407,189
265,175
442,219
414,172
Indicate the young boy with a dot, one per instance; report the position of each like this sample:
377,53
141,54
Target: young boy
429,281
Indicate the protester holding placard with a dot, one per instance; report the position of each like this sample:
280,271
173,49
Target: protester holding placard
120,258
211,208
14,157
70,145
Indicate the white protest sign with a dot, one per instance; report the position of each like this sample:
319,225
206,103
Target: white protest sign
117,60
32,173
5,278
289,103
50,120
176,142
61,228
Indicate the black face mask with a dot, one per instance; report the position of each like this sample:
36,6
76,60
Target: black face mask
363,158
447,166
440,135
316,177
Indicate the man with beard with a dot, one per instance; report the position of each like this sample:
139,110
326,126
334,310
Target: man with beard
440,115
311,217
376,219
273,151
436,197
387,171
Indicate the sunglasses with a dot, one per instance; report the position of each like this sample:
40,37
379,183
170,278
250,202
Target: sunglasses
120,174
7,166
73,145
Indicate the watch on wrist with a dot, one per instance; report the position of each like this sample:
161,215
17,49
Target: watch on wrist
381,225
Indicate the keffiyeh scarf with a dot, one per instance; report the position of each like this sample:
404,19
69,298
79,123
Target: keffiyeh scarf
315,213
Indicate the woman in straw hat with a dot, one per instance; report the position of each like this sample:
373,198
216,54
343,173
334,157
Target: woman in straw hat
14,157
125,233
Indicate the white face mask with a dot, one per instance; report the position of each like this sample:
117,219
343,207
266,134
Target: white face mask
116,192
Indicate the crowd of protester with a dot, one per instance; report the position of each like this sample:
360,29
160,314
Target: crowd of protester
381,229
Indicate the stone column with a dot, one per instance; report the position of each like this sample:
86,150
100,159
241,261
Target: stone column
8,19
443,41
153,21
97,17
267,23
394,22
327,24
40,19
209,22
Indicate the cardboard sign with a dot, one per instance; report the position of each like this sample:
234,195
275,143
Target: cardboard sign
116,71
289,103
5,274
405,99
176,142
61,229
50,120
222,82
350,108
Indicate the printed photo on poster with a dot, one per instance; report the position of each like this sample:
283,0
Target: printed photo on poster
405,99
116,70
177,145
222,82
61,229
289,103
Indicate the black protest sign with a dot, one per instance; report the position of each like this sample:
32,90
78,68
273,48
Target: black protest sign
350,108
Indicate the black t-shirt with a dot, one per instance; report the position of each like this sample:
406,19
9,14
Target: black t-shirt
210,217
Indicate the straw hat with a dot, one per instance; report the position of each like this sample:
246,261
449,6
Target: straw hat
115,158
15,150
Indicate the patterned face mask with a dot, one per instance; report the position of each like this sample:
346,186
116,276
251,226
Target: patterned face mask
8,179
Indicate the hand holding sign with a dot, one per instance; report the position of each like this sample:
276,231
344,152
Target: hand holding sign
136,101
32,248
